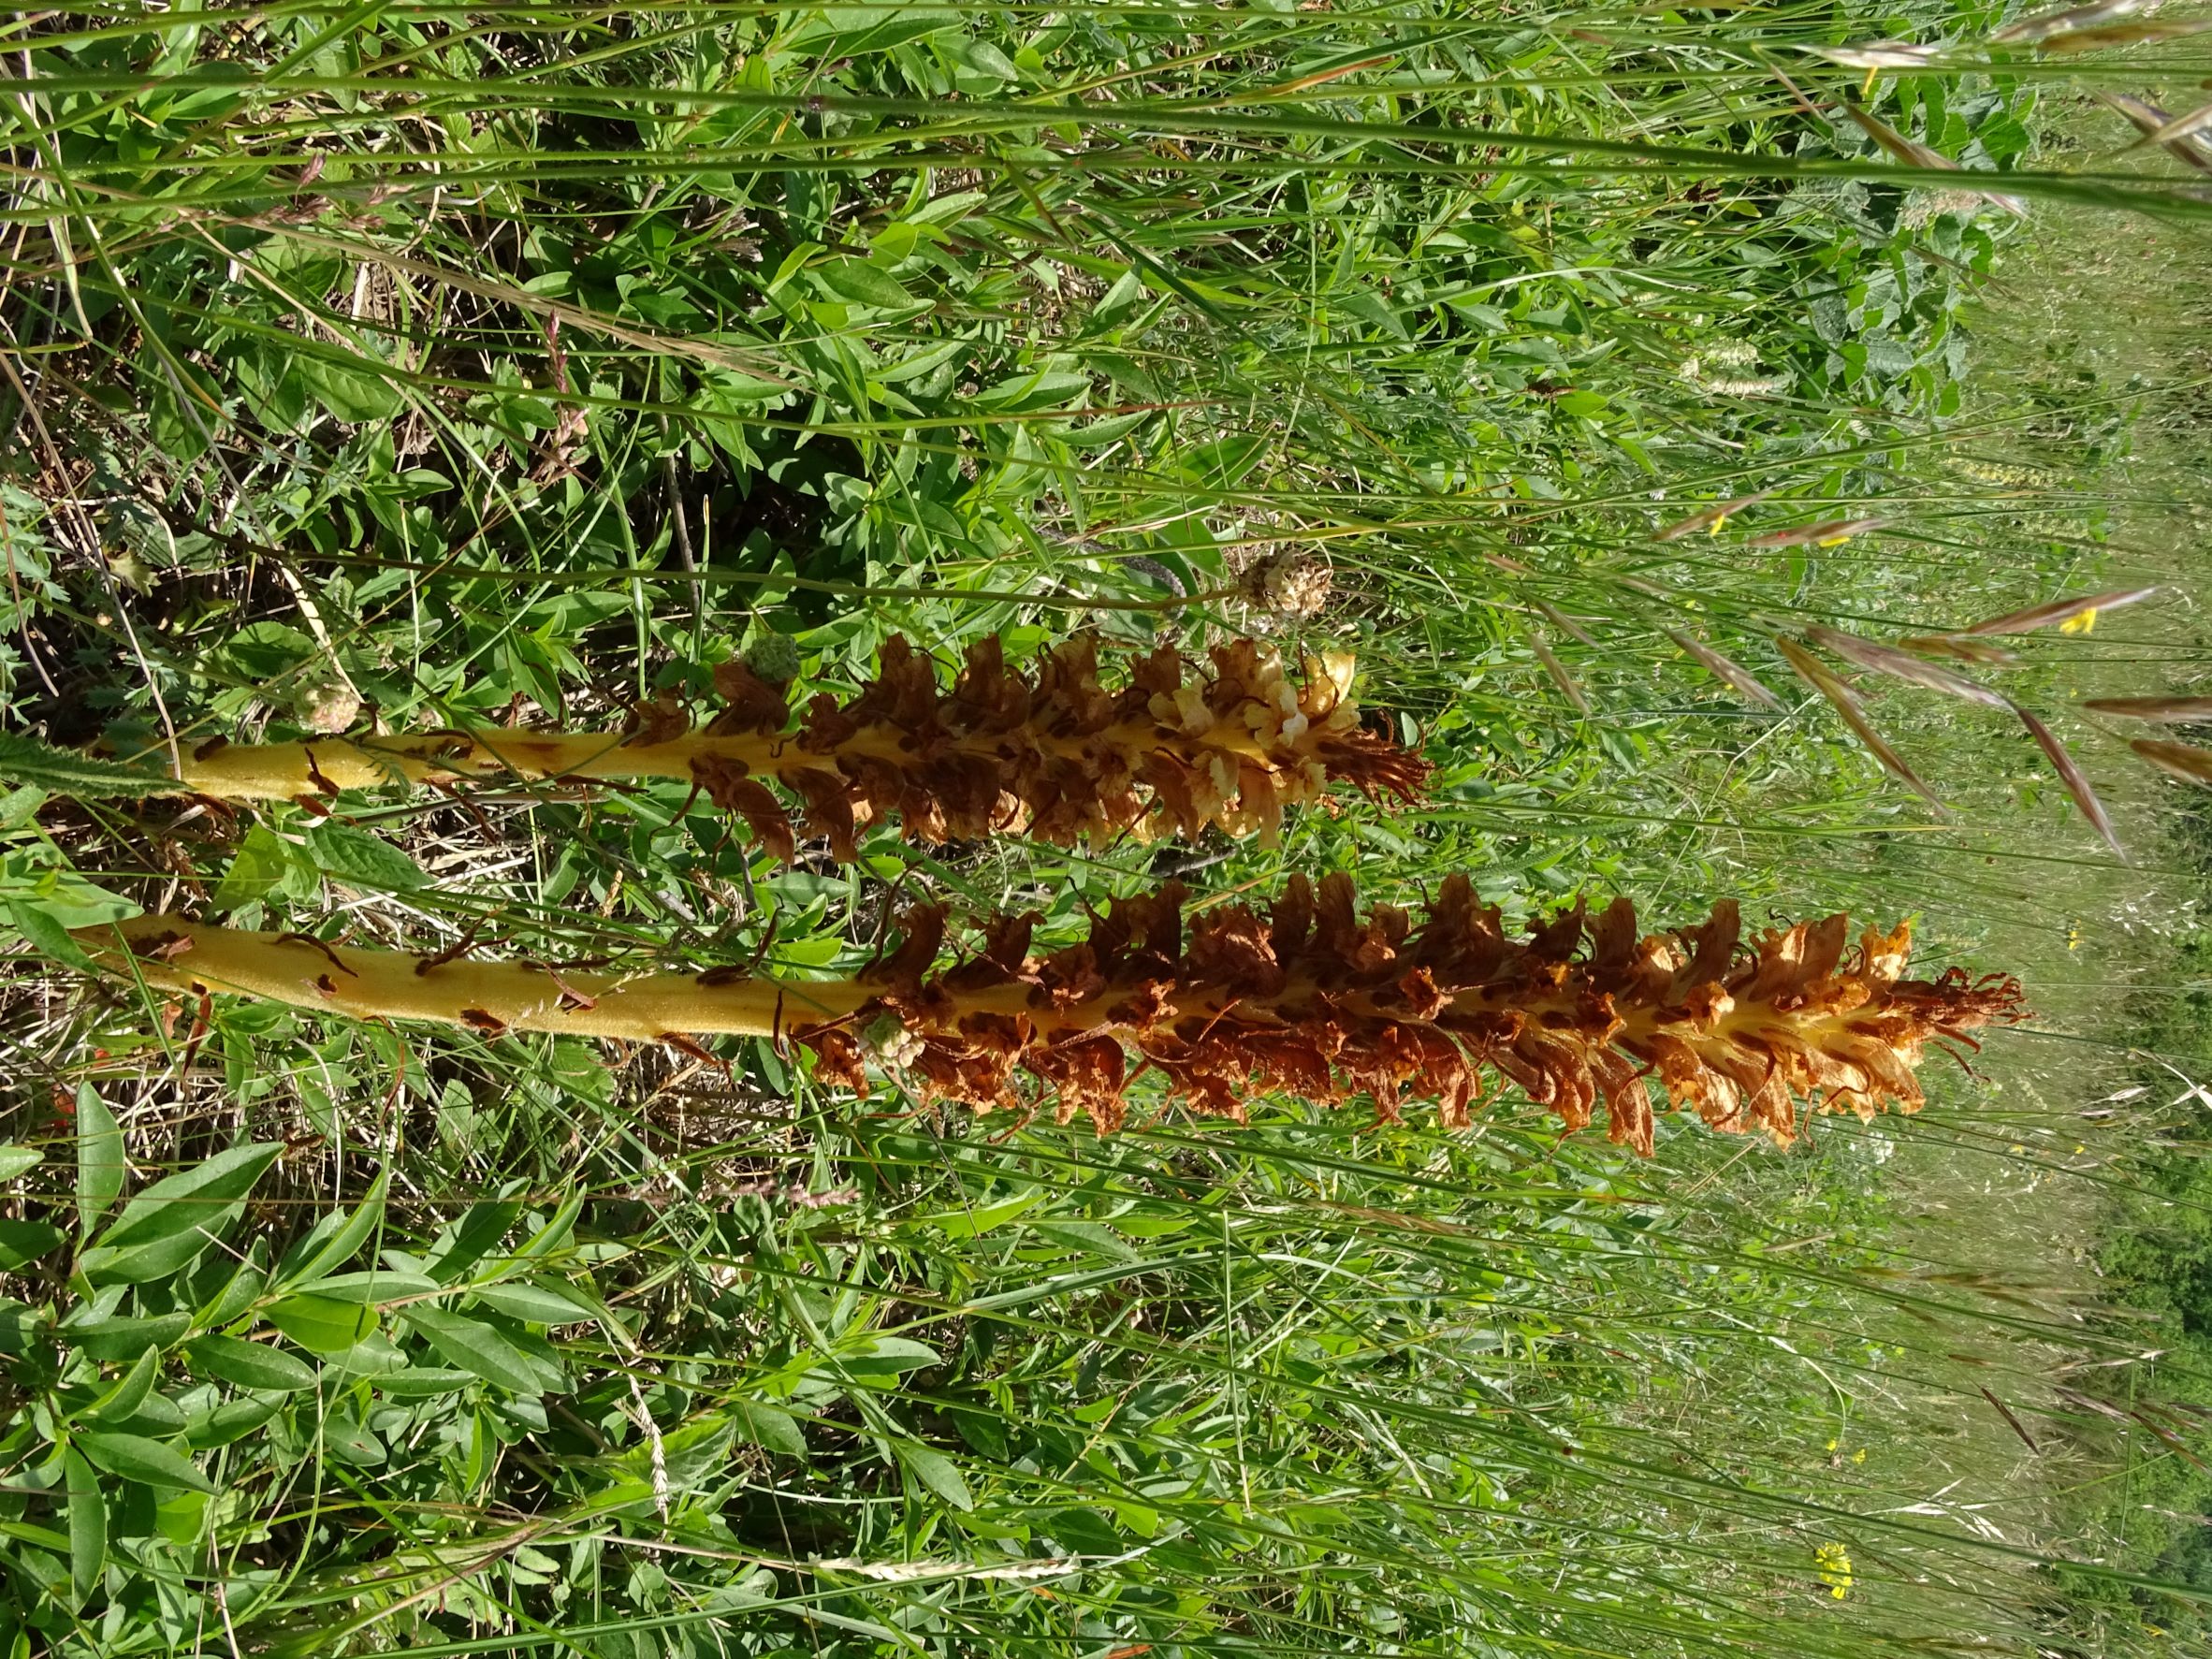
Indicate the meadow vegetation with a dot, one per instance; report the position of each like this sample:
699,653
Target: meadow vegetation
1617,386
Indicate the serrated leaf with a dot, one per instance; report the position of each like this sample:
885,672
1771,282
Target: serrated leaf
250,1364
255,868
136,1458
65,772
362,860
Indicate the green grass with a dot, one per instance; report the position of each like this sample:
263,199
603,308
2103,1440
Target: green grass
440,366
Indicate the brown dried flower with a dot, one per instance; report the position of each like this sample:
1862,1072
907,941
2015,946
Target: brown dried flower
1314,1000
1057,753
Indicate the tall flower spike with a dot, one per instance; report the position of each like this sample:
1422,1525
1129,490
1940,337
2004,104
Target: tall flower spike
1313,1000
1057,754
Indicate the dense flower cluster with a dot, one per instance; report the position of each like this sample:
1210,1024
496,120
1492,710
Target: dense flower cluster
1313,1000
1057,753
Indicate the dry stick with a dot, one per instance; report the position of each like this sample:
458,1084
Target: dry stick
1312,1000
1052,751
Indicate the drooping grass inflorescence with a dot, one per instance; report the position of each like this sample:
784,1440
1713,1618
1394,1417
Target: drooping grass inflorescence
1055,754
1313,1000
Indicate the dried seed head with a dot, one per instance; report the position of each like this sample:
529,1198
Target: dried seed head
1057,753
1318,1001
1294,586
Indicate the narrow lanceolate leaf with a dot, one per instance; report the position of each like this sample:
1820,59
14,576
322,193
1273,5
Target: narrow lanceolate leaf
135,1458
1311,1001
25,760
87,1525
2184,761
1882,659
1725,669
2076,780
2060,611
100,1160
1557,670
1845,702
2152,708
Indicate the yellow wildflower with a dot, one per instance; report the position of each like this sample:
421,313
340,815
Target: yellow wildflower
1835,1569
2083,622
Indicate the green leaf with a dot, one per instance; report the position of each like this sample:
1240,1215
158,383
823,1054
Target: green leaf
352,391
255,868
536,1304
474,1346
768,1428
100,1160
48,936
362,860
135,1458
320,1324
120,1403
421,1382
14,1160
888,1356
125,1339
25,760
234,1420
250,1364
173,1220
24,1242
934,1470
857,279
88,1526
343,1240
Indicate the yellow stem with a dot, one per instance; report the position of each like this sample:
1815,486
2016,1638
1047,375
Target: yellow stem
194,958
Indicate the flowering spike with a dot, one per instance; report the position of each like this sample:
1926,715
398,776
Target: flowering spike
1314,1000
1056,754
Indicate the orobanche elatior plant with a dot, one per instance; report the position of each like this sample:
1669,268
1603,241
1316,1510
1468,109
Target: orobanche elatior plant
1056,754
1313,1000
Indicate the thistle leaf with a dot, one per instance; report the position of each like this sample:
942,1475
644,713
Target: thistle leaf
65,772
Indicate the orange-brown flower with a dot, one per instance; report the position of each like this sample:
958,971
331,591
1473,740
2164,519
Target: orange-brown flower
1057,753
1314,1000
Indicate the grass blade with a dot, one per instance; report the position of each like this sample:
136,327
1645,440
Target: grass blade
1882,659
1721,668
2060,611
2184,761
2077,782
1815,674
